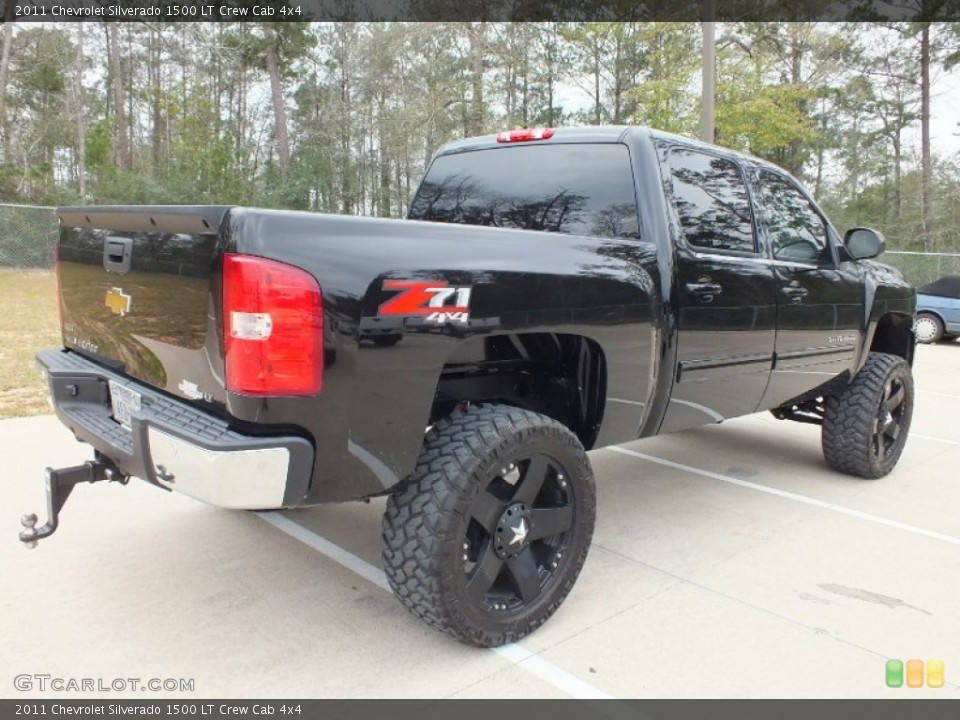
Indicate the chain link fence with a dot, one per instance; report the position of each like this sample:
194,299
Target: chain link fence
922,268
28,234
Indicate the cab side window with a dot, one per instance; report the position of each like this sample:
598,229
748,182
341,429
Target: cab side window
711,197
795,229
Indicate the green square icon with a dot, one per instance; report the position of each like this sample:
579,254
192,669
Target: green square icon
894,673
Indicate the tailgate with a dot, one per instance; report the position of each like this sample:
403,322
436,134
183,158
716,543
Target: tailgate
136,293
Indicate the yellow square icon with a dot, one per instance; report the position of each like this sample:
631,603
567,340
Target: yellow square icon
935,673
914,673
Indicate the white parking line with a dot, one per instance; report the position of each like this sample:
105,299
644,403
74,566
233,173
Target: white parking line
550,673
325,547
938,394
935,439
842,510
513,653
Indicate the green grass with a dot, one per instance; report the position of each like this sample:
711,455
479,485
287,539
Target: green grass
28,323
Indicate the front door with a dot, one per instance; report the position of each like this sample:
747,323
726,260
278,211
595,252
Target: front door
820,297
726,293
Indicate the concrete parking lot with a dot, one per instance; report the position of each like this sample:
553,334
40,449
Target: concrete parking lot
728,561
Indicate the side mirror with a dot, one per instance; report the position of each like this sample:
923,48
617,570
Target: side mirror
864,243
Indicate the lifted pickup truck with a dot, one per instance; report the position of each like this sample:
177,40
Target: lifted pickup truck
550,292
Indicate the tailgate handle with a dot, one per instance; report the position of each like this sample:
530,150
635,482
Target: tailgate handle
117,252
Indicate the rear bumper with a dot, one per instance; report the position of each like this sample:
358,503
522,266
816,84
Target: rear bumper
175,445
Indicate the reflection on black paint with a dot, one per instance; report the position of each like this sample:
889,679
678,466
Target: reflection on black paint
573,189
169,287
712,201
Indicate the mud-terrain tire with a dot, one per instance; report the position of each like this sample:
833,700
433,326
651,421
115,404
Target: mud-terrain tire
489,535
865,427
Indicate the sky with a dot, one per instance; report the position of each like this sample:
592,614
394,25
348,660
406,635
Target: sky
944,113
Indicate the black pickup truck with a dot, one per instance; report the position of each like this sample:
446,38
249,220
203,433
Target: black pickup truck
550,292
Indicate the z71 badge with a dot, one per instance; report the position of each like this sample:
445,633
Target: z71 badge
438,302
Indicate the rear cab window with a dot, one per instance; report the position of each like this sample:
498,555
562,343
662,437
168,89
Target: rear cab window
576,189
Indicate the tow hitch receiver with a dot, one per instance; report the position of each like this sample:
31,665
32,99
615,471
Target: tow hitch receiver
59,486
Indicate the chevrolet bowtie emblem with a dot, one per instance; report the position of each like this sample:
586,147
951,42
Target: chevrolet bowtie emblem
117,301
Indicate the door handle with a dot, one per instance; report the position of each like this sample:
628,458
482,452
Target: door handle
796,293
706,291
117,253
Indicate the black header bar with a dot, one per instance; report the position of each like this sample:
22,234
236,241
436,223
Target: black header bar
481,10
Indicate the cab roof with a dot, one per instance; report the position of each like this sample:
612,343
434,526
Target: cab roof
596,134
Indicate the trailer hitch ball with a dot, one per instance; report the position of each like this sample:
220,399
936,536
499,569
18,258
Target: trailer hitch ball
28,536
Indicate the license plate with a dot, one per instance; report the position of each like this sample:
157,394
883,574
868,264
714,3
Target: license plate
124,401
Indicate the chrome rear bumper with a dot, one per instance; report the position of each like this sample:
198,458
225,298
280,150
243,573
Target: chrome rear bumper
175,445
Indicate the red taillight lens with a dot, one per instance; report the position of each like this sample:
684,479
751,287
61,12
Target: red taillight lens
525,135
272,328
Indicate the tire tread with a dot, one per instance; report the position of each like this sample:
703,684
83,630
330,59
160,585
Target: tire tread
846,433
417,518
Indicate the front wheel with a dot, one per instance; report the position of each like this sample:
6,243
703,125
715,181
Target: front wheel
865,427
489,536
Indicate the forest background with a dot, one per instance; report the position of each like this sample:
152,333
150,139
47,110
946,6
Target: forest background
343,117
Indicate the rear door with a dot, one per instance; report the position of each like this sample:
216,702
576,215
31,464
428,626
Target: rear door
726,292
820,297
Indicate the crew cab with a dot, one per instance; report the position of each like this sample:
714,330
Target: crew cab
550,292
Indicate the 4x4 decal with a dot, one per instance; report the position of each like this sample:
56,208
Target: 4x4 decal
438,301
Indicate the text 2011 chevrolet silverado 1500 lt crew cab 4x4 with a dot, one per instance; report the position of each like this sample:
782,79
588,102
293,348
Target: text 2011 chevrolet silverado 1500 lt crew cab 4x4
550,292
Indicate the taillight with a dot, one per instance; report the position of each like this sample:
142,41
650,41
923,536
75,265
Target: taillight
272,328
525,135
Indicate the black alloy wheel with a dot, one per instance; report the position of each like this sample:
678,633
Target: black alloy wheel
888,423
518,531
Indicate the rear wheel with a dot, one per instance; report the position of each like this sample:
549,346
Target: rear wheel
866,426
928,328
488,537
